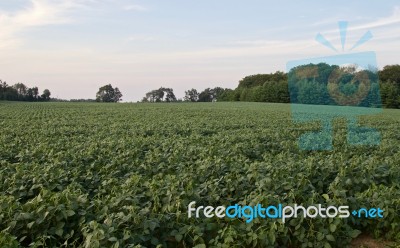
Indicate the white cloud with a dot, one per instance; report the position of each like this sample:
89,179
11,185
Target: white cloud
37,13
385,31
135,7
238,49
143,38
385,21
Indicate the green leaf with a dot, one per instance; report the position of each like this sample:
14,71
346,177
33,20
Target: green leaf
354,233
59,232
30,224
200,246
332,227
178,237
70,213
271,236
330,237
153,225
12,224
293,222
154,241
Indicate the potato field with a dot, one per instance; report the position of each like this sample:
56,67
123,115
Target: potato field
123,175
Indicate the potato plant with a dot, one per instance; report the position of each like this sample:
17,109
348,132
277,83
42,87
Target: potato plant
122,175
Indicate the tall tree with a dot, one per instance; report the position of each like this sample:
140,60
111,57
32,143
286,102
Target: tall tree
209,95
117,95
29,94
3,87
21,88
46,95
20,92
108,94
170,96
35,92
390,73
158,95
191,95
154,96
206,95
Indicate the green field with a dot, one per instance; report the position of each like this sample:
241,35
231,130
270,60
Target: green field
122,175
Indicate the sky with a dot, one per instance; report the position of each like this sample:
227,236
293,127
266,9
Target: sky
73,47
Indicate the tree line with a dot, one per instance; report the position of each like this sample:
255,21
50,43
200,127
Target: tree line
281,87
167,95
20,92
278,87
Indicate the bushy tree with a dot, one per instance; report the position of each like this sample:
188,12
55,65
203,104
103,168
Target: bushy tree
35,93
21,90
390,73
206,95
227,95
169,94
158,95
191,95
108,94
390,95
154,96
260,79
211,94
46,95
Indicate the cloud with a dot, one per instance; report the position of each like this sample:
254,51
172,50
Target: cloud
232,51
385,31
383,22
394,18
257,48
135,7
37,13
143,38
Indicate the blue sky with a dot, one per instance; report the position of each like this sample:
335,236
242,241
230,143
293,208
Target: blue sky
73,47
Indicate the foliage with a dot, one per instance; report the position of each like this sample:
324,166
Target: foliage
208,95
95,175
323,84
158,95
107,93
275,87
260,79
390,92
191,95
20,92
390,73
